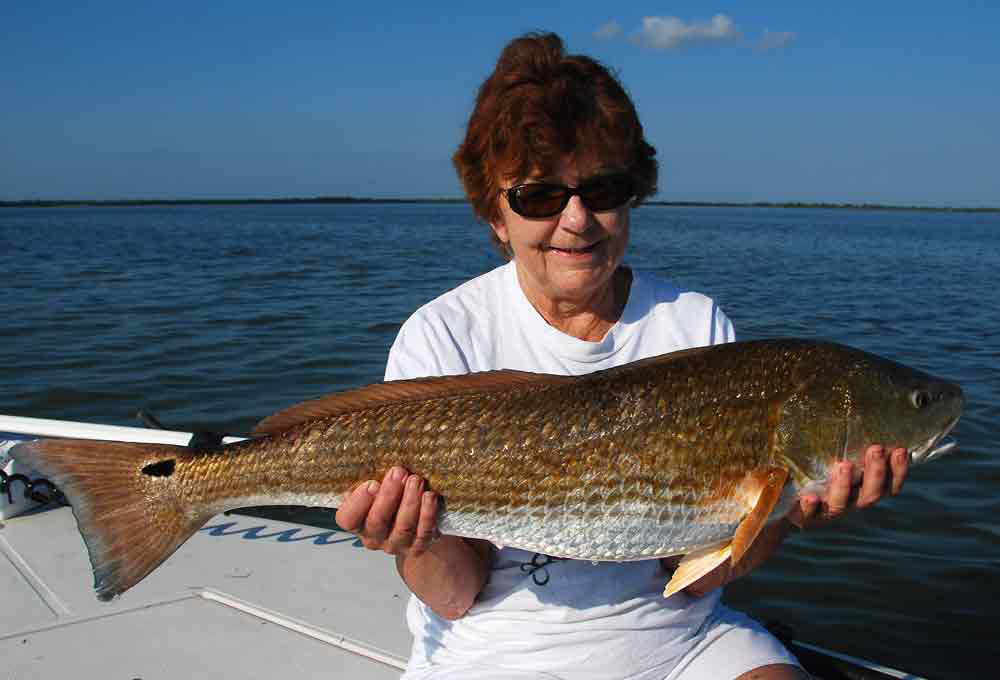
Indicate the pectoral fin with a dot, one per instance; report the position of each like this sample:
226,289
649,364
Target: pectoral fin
771,481
695,565
763,490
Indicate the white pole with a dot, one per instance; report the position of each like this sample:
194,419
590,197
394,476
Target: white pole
44,427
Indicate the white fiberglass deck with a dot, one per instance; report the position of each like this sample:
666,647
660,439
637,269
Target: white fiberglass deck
244,598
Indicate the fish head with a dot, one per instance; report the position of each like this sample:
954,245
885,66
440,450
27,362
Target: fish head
901,406
849,399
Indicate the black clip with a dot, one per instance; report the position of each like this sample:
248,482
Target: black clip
200,439
538,565
31,488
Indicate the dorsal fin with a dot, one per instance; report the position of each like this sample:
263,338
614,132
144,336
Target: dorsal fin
396,391
640,364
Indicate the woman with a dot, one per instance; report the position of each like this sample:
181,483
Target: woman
554,160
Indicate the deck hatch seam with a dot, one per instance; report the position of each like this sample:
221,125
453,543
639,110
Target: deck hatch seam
45,594
303,628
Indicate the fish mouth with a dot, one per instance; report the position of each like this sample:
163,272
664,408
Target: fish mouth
944,445
937,446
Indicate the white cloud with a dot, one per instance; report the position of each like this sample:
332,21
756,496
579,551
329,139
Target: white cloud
664,33
775,40
670,33
608,31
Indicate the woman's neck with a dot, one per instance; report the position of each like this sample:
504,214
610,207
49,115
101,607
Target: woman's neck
588,318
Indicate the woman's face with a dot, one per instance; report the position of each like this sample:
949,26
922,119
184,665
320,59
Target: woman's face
571,256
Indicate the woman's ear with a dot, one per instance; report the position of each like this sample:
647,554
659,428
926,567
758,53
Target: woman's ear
500,229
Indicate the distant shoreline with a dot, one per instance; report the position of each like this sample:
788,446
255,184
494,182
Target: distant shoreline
356,200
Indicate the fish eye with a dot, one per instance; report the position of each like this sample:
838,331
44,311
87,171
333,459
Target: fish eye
920,398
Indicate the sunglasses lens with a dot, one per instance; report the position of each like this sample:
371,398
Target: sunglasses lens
539,200
547,200
606,193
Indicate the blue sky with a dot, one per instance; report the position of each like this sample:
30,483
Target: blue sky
886,102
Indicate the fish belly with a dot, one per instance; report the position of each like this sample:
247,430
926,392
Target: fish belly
613,535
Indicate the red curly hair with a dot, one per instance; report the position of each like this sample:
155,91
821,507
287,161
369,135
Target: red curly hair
537,107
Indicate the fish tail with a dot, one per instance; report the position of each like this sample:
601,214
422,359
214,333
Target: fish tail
126,500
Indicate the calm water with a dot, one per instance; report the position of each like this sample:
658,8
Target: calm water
212,317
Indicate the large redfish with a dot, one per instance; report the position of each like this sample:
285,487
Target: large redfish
687,453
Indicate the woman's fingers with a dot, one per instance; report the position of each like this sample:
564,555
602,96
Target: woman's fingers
404,529
809,511
899,463
382,514
885,472
882,472
353,510
838,497
876,473
397,515
427,531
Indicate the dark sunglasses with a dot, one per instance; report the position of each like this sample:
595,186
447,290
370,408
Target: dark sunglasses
599,194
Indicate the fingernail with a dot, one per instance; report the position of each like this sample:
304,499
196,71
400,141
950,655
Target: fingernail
844,470
398,474
414,482
878,453
372,487
429,497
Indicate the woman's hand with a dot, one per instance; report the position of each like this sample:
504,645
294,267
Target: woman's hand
398,516
882,474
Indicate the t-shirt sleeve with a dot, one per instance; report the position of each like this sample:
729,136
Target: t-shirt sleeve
426,346
722,327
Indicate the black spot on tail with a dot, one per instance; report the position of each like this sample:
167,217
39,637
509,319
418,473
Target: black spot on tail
164,468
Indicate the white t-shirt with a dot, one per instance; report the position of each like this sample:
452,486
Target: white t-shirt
537,616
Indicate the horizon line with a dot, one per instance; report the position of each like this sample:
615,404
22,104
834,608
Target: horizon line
54,203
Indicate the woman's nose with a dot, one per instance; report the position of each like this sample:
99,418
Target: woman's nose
575,216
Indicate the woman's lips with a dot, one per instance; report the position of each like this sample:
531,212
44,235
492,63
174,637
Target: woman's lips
586,250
